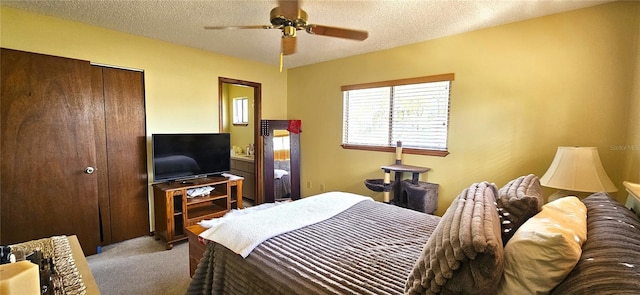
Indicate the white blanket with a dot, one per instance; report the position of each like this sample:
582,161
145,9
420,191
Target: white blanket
242,233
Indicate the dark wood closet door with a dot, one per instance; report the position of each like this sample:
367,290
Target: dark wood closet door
50,122
128,203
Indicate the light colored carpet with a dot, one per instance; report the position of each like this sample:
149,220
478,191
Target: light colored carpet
141,266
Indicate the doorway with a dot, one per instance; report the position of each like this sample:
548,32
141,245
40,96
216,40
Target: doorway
247,165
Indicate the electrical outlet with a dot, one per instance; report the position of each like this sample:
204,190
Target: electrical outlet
322,188
309,184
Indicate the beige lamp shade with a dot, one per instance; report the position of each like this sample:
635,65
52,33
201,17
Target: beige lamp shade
577,169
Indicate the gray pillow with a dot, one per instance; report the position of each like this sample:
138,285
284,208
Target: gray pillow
518,200
464,254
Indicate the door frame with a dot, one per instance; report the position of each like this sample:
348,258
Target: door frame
257,117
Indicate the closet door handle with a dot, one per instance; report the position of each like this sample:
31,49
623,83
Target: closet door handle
89,170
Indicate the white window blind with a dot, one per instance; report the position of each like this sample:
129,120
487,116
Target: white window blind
240,110
416,114
281,143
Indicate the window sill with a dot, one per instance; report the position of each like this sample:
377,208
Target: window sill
435,153
240,124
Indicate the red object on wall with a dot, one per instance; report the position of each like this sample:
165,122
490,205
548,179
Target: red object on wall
295,126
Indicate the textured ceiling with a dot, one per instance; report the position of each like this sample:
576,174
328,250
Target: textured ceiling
390,23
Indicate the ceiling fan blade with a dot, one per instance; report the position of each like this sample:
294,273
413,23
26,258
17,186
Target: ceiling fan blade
289,8
241,27
337,32
288,45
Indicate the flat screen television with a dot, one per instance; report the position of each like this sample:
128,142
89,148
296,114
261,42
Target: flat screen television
179,157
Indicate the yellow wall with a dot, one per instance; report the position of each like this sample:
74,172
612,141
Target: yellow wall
520,91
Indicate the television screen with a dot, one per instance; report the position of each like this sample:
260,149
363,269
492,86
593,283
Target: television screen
185,156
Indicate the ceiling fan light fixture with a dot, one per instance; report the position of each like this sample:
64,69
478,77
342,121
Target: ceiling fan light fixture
289,31
302,19
278,18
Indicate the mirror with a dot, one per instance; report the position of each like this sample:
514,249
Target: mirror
238,98
281,160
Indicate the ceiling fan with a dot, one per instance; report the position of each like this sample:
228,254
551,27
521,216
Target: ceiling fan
290,18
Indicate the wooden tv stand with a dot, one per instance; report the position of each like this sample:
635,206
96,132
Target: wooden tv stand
174,211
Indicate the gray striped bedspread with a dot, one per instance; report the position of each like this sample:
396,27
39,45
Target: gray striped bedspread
369,248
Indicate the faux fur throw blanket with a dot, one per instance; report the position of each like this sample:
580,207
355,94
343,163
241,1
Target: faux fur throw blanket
518,201
464,255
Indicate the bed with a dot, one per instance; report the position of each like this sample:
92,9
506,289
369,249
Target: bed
324,258
377,248
282,179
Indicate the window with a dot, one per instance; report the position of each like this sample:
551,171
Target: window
240,111
281,147
281,142
414,111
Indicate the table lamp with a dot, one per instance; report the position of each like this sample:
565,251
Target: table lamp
576,171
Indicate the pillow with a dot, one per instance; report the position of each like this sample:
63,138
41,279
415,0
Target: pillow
545,249
610,262
464,253
518,200
278,173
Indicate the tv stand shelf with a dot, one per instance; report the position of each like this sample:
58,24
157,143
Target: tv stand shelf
174,210
213,196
